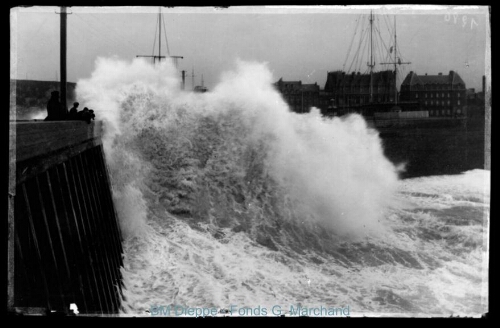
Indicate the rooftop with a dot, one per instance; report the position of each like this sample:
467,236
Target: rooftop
452,78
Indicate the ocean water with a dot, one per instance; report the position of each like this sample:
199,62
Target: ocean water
227,200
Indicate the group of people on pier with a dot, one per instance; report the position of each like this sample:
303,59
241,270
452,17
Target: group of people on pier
57,112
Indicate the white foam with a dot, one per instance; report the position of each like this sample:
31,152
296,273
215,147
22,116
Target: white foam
314,170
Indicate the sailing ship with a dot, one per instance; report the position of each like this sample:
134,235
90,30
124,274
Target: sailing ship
161,23
159,57
451,142
372,91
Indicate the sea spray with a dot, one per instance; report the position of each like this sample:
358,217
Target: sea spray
330,172
113,90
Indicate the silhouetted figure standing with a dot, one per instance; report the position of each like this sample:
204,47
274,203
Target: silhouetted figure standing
73,111
53,107
55,110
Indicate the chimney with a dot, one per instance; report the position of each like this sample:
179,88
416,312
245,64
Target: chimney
440,73
484,85
425,74
183,79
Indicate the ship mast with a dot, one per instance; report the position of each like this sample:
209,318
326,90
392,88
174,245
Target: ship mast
192,78
372,64
397,61
159,57
395,67
159,35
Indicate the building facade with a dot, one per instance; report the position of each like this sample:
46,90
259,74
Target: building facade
354,89
441,95
299,96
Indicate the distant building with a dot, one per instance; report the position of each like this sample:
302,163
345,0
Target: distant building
470,92
300,97
354,89
200,88
476,102
31,93
441,95
326,102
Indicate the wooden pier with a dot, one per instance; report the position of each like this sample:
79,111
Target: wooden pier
64,241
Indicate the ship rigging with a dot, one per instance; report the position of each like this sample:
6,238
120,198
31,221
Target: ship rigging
159,57
369,90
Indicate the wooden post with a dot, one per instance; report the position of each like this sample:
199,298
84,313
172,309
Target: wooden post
63,59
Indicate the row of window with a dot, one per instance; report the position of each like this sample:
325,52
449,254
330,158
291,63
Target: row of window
300,98
360,90
358,100
437,95
300,101
437,102
300,93
432,87
443,112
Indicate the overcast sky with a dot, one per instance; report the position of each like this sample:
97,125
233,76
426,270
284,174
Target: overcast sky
298,43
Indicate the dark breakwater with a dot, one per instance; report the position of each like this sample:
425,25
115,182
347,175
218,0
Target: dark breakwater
435,146
64,240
